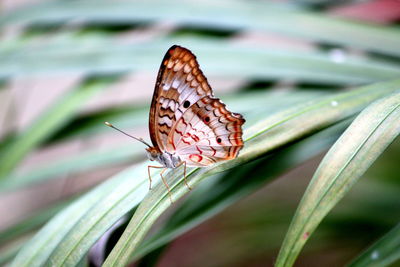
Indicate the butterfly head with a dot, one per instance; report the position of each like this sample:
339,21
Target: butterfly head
153,153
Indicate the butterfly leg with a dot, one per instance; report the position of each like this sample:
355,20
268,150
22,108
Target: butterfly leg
148,170
165,183
184,174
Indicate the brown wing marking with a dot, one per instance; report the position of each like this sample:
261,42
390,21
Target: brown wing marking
180,84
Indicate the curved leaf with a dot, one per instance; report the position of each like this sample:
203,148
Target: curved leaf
7,255
226,189
361,144
98,158
49,122
88,217
262,137
218,57
31,223
236,15
82,162
69,235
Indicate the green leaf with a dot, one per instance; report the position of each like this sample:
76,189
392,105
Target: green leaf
218,57
383,252
69,235
31,223
6,255
19,233
262,137
82,162
94,124
361,144
224,190
49,122
86,125
74,230
92,215
132,116
233,15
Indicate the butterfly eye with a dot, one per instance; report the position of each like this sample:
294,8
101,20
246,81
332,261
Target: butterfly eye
186,104
219,140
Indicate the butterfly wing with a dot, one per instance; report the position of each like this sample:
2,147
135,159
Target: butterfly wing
180,84
207,133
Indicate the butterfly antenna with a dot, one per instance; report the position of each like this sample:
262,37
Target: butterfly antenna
115,128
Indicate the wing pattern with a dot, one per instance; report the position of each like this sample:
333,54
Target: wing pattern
186,119
207,133
180,84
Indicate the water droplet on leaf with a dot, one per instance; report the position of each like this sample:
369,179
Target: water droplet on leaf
338,55
375,255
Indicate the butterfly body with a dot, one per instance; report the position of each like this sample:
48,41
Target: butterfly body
166,159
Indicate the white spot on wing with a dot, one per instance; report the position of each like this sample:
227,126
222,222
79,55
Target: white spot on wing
165,103
172,105
166,87
186,68
176,83
165,120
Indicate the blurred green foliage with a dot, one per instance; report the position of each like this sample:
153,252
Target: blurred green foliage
304,77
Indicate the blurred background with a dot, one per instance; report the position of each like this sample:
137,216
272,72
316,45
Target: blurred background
68,66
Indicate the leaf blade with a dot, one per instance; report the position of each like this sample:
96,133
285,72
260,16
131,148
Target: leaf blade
152,207
238,15
90,216
48,123
218,57
235,185
372,131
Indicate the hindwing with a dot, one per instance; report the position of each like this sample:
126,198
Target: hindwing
207,133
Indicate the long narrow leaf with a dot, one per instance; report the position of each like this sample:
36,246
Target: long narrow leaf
234,185
88,217
217,58
367,137
7,255
131,117
49,122
224,14
262,137
128,118
69,236
31,223
82,162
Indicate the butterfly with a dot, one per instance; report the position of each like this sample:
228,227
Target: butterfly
188,125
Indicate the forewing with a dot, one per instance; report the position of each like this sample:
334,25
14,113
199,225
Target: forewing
180,84
207,133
